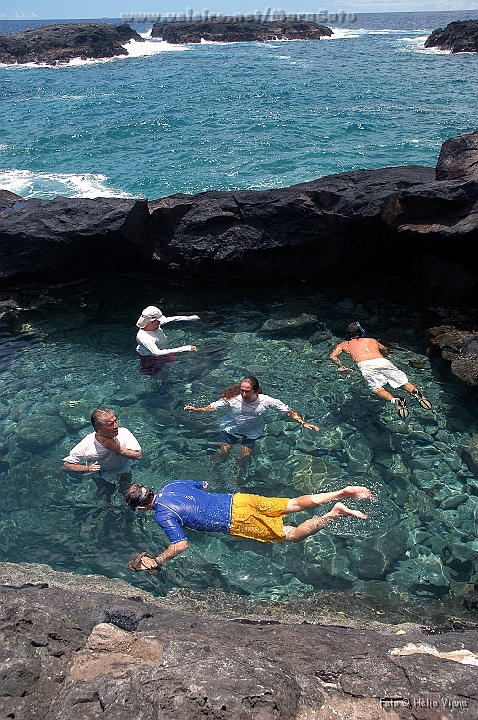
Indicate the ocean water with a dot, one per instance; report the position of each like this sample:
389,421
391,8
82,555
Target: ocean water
190,118
172,119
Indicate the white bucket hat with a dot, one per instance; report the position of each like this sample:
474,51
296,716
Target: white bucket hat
148,314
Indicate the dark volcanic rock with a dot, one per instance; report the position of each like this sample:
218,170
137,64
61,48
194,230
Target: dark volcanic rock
232,31
54,44
458,36
458,159
65,237
410,224
76,647
460,347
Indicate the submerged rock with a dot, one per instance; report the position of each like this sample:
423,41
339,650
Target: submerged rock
55,44
233,31
38,432
458,36
289,324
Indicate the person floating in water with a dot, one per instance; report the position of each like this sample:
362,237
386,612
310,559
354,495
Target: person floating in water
243,423
185,503
155,358
368,353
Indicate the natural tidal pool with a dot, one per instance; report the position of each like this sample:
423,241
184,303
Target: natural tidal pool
71,349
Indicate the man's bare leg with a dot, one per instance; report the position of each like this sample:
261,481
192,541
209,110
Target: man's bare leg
222,454
312,526
384,394
243,457
400,404
305,502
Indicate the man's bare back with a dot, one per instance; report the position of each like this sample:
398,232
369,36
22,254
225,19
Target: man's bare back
359,349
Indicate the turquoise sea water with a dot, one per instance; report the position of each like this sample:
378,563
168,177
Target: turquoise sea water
242,115
191,118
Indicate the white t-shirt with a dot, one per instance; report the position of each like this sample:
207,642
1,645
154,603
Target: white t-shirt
155,342
111,463
245,418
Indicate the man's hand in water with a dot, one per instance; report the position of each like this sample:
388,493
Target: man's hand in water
358,492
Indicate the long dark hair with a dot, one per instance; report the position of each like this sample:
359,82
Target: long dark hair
254,383
234,390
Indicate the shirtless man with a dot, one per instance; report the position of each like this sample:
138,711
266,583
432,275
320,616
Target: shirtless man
377,371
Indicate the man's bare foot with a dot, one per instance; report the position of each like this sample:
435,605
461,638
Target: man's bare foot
340,510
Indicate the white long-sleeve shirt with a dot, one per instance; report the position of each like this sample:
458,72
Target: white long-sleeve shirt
155,342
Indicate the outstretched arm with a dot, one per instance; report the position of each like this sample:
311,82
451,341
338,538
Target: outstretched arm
295,416
163,320
206,408
351,491
171,551
334,356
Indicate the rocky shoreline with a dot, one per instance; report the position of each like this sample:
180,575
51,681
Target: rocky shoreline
233,31
86,646
458,36
340,226
57,44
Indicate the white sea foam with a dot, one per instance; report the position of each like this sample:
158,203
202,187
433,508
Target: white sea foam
28,184
151,46
134,48
417,45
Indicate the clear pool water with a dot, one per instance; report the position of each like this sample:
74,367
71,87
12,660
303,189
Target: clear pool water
72,349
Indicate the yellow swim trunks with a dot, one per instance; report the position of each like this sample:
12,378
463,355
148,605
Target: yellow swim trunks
258,518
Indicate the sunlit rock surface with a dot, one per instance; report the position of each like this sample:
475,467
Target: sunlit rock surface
60,43
458,36
74,643
234,31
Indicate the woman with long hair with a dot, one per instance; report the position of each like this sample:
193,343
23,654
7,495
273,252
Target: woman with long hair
243,422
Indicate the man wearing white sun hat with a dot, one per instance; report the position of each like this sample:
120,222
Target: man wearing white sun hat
156,358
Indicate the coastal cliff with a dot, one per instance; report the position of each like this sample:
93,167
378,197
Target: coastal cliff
233,31
458,36
57,44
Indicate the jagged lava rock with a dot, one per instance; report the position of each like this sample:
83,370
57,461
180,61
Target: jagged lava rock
55,44
93,649
458,36
232,31
68,237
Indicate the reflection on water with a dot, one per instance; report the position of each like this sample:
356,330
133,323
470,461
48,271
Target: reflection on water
74,351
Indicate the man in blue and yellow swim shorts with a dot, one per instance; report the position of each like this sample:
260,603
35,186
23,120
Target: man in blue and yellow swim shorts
185,503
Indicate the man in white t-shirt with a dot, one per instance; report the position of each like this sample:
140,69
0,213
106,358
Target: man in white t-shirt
107,452
243,422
